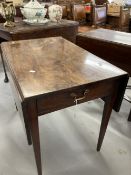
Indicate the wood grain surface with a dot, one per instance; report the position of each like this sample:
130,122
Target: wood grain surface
54,64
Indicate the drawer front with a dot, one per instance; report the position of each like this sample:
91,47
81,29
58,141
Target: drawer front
62,99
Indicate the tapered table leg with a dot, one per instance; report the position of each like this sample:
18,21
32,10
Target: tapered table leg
129,117
109,101
28,131
34,127
27,124
16,107
6,77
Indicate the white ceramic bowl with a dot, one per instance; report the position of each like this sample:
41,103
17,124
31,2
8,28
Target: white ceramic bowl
33,10
33,13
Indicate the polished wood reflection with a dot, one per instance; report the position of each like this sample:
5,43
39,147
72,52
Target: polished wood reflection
44,63
112,46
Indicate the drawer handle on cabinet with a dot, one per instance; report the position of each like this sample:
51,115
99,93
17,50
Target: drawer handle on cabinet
76,99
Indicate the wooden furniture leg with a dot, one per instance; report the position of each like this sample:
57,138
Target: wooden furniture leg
28,133
16,107
109,101
129,100
27,123
6,77
34,128
129,118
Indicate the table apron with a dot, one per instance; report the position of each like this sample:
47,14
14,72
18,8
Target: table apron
63,99
67,32
5,36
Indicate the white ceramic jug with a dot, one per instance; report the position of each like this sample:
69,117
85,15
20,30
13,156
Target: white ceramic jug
55,13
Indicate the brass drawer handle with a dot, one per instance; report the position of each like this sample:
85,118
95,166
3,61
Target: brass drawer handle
76,99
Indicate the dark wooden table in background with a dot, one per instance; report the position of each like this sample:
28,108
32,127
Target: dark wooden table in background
22,31
65,28
113,46
51,74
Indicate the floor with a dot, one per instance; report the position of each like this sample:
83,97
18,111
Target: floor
82,29
87,28
68,140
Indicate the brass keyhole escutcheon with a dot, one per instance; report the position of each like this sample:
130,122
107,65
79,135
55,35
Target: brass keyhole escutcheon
77,99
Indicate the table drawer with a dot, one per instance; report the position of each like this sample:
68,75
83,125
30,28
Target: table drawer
65,98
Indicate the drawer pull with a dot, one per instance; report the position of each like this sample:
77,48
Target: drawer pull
76,99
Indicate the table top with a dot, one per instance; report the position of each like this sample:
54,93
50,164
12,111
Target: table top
110,36
21,27
41,66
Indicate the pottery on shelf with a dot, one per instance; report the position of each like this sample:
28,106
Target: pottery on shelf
55,13
33,10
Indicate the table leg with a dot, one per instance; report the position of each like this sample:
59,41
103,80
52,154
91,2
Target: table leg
109,101
6,77
16,106
34,128
129,117
28,132
27,123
